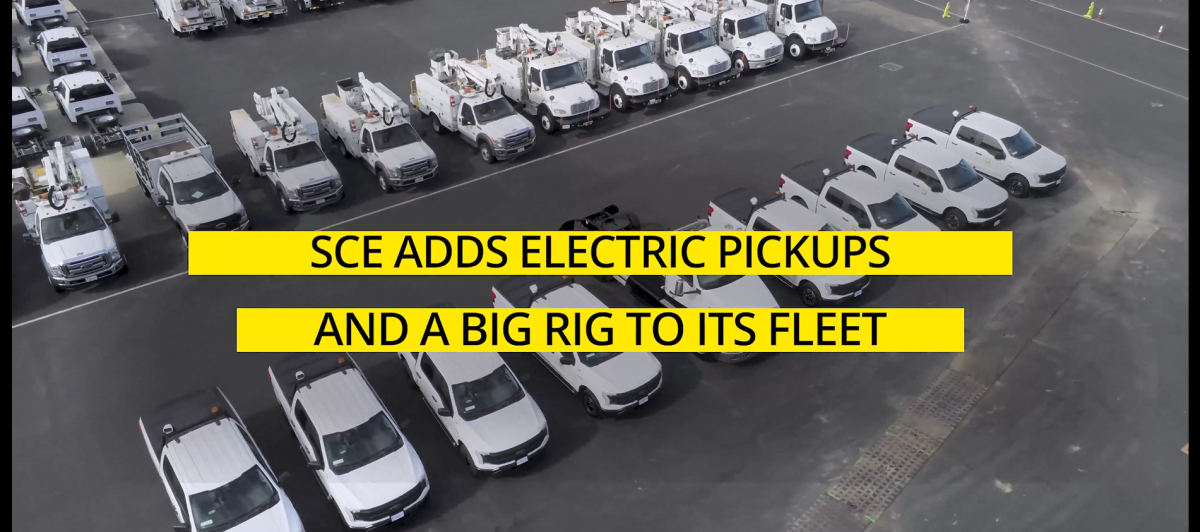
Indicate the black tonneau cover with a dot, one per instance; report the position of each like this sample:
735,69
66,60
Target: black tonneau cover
312,365
939,117
876,145
516,289
737,203
185,414
810,174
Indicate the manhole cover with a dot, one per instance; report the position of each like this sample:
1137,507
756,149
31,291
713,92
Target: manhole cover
890,66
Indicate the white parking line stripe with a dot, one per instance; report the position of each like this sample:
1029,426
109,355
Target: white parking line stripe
940,9
1109,70
119,18
514,167
1110,25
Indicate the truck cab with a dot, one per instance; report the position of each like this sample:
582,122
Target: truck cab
740,210
254,10
803,26
85,93
353,445
618,63
212,470
743,32
691,51
64,50
999,150
848,200
44,13
26,113
930,178
608,384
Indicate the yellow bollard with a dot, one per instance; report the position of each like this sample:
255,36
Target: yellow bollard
946,13
1091,8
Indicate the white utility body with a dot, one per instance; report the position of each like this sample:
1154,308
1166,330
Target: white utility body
802,25
491,420
285,147
999,150
62,204
40,13
541,82
189,16
617,63
607,383
930,178
353,445
315,5
742,31
175,168
64,50
850,200
686,49
254,10
26,113
740,210
369,122
465,97
85,94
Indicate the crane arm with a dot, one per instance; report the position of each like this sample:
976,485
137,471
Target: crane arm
379,99
275,110
477,75
548,43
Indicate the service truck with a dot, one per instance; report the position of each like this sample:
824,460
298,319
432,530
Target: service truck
254,10
742,31
189,16
85,95
63,50
685,48
543,83
40,14
999,150
464,97
849,200
369,122
740,210
930,178
175,168
285,147
802,25
617,64
62,203
28,125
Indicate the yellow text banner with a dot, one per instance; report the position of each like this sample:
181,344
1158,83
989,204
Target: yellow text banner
275,330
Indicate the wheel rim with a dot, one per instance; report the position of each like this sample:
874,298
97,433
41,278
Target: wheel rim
795,50
1017,188
809,296
953,221
682,82
741,64
383,184
546,123
590,405
485,153
619,101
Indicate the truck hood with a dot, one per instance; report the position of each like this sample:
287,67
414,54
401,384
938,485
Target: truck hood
570,95
397,157
626,371
506,126
747,292
762,42
642,74
294,178
1042,161
811,30
506,428
84,245
379,482
705,57
280,518
982,195
208,210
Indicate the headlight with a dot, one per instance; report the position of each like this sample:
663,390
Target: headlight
754,55
976,211
337,181
633,90
558,111
291,194
498,142
192,227
62,270
697,72
114,255
243,218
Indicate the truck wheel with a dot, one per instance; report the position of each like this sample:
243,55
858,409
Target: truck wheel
345,152
466,454
590,404
486,152
796,48
287,207
176,32
955,219
436,124
145,190
740,62
620,102
683,80
546,120
384,183
57,289
809,294
1017,185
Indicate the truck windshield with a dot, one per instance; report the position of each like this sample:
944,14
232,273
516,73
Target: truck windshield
1021,144
697,40
751,26
71,224
491,393
205,187
709,282
960,176
395,137
892,212
592,360
297,156
493,111
21,107
64,45
806,12
89,91
362,445
234,503
634,57
562,76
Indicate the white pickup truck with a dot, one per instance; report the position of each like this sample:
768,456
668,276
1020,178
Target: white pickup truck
998,149
740,210
931,179
849,200
63,50
85,94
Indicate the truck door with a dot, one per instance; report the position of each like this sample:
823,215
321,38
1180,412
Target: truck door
535,86
995,160
569,373
437,393
964,143
671,54
900,177
691,297
607,67
178,498
467,125
728,34
163,190
364,139
834,205
932,188
306,433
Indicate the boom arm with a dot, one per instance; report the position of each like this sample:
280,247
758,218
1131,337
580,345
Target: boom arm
275,110
381,100
548,43
481,77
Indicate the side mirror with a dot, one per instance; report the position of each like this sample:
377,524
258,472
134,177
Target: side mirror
443,412
162,202
49,88
264,167
114,218
108,76
35,92
84,32
33,41
364,147
677,290
566,361
315,465
29,238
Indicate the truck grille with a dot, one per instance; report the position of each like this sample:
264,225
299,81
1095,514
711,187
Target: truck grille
849,288
828,36
650,87
636,393
416,168
580,108
993,211
228,223
517,139
718,68
774,51
393,507
1052,177
87,266
316,190
520,451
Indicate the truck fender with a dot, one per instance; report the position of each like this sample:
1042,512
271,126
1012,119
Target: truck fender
481,138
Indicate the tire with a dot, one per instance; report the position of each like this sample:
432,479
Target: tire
795,48
236,20
384,183
810,295
590,404
546,121
437,125
620,101
157,13
58,289
635,223
741,63
707,357
345,152
287,207
487,152
684,80
177,33
955,219
1017,186
466,455
124,268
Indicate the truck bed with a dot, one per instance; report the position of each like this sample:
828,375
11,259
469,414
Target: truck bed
736,203
939,117
516,289
810,174
159,137
876,145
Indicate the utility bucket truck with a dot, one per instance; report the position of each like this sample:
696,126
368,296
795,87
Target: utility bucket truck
742,31
545,84
62,204
465,97
285,146
369,122
254,10
175,168
190,16
617,63
685,48
802,25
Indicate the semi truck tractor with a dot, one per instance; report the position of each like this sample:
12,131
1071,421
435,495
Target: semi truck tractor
802,25
617,63
186,17
686,49
254,10
742,31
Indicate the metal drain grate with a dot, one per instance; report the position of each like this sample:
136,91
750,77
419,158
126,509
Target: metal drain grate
877,478
890,66
949,400
828,515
